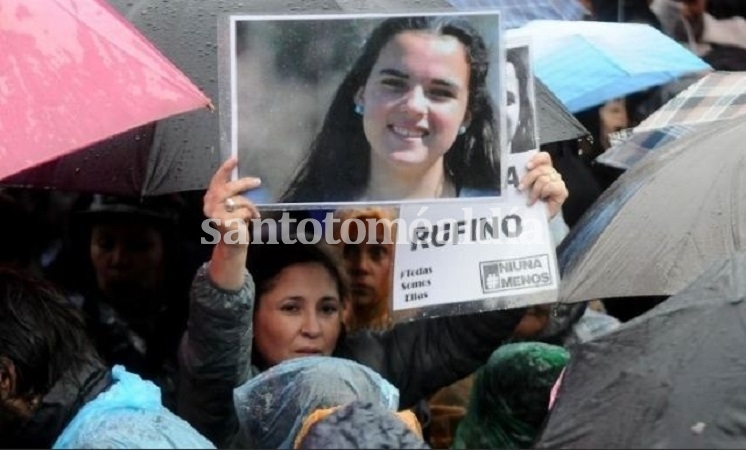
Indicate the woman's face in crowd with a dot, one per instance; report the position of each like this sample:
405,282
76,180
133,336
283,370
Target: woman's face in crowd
127,257
513,111
415,98
369,264
14,410
613,118
300,315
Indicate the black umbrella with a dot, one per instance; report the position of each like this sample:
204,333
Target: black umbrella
556,122
672,378
662,222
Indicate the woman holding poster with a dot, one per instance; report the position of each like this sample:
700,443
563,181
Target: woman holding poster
413,119
254,308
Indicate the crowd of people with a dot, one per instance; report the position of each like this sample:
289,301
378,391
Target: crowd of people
119,329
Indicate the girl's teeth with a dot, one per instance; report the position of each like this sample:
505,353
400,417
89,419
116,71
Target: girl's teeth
408,133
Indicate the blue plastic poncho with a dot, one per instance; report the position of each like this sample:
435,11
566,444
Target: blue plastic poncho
129,415
271,407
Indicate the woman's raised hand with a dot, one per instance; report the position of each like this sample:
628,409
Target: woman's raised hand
223,203
544,183
231,214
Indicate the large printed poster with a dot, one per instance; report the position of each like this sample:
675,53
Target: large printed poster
400,126
367,108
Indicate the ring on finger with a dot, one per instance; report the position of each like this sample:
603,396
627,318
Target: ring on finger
230,204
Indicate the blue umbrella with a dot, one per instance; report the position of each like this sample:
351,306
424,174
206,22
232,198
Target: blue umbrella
517,13
588,63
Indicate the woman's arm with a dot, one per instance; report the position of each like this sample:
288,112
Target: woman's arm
215,352
215,355
419,358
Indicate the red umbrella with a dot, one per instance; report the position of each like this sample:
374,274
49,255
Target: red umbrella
73,72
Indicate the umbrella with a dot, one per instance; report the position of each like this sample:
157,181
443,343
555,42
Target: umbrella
629,147
662,222
672,378
588,63
718,96
74,73
517,13
556,123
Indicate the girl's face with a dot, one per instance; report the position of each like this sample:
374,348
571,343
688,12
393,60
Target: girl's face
415,98
513,111
300,315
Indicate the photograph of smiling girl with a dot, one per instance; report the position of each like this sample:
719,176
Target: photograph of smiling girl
374,109
520,112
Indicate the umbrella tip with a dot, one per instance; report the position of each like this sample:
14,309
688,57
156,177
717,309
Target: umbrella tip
210,106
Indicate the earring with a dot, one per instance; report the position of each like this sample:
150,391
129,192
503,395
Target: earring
462,130
359,109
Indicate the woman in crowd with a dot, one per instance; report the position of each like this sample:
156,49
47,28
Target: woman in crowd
289,303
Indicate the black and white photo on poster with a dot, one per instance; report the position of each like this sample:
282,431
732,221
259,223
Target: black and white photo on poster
521,124
520,112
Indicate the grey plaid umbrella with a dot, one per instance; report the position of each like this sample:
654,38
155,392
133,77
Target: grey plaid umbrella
718,96
517,13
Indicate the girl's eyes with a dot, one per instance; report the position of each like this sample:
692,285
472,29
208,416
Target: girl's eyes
394,83
401,85
442,93
511,98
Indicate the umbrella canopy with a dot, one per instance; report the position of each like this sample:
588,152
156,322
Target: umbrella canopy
629,147
718,96
672,378
74,73
517,13
662,222
556,123
588,63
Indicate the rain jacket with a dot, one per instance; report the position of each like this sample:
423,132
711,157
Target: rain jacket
418,358
129,414
273,406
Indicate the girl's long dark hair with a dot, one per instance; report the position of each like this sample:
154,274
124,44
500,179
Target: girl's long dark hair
524,138
337,166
